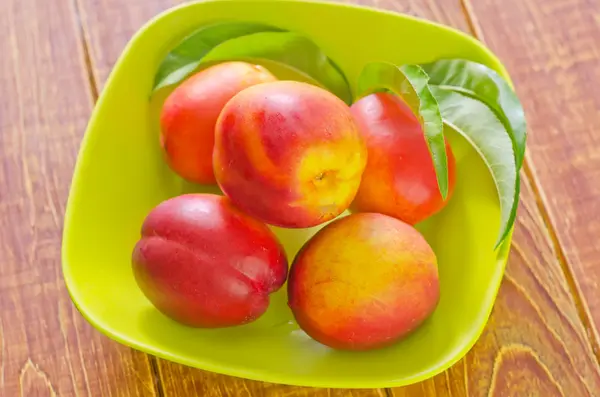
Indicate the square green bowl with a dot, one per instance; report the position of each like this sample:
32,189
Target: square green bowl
120,175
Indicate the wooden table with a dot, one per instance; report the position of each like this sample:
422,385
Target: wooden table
542,338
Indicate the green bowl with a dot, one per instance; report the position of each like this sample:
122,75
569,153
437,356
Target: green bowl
120,175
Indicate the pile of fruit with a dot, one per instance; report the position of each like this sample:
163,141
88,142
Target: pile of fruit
296,155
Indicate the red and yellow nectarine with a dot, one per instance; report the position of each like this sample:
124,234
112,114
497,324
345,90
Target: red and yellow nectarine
190,112
204,263
288,153
363,281
399,179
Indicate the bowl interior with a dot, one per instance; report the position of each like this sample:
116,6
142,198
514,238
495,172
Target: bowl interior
121,175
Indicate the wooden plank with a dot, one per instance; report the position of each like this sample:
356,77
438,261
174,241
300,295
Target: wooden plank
46,348
534,341
552,49
109,24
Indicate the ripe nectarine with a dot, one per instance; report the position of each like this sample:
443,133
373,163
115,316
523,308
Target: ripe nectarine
190,112
363,281
288,153
204,263
399,179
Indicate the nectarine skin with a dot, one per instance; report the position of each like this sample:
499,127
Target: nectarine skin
288,153
190,112
204,263
399,179
363,282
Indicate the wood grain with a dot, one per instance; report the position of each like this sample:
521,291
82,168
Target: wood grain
46,348
553,53
534,344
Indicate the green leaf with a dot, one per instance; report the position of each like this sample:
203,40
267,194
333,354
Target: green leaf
475,121
409,82
182,60
484,84
287,48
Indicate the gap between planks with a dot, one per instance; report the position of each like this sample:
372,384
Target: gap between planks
583,313
87,59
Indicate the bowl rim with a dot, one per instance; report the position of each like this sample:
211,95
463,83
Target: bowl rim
502,251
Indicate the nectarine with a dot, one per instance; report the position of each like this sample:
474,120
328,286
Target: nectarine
288,153
363,281
204,263
399,179
190,112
